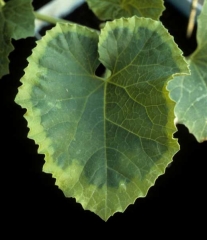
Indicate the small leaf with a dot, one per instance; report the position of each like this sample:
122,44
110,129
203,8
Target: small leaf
190,92
16,21
112,9
105,140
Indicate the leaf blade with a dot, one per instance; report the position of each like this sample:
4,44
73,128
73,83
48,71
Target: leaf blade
86,126
190,92
112,9
16,21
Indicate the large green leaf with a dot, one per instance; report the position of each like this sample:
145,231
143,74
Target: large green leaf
112,9
16,21
190,92
105,140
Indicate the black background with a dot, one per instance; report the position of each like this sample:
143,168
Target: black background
32,201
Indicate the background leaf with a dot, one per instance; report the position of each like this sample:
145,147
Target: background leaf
190,92
105,140
112,9
16,21
2,3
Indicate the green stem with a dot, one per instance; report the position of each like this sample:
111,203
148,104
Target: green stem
53,20
49,19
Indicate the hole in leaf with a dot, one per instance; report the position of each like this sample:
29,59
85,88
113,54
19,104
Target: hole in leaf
100,70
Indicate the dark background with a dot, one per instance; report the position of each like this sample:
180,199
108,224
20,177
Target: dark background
177,202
